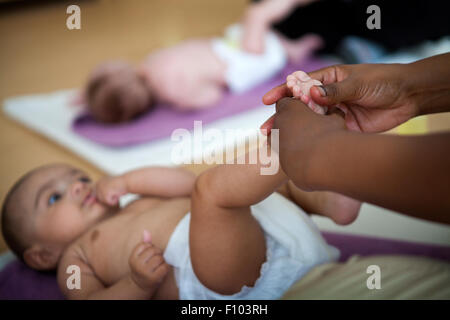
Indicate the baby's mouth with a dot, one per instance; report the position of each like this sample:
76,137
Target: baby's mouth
89,199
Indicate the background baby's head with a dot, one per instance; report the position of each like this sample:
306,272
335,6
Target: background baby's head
116,92
46,210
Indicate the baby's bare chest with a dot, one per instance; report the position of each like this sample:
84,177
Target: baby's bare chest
109,245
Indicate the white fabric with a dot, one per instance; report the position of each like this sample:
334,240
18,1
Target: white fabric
52,115
247,70
422,51
294,246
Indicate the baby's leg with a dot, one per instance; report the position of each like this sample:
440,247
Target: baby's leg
227,244
341,209
300,84
301,49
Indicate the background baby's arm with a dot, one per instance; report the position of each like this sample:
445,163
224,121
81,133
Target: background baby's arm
156,181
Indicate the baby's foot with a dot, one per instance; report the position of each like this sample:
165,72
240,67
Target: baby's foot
300,85
299,50
339,208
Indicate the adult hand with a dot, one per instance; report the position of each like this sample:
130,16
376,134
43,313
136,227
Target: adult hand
300,131
375,97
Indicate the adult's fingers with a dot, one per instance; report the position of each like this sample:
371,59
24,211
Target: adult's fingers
335,93
276,94
286,102
266,127
331,74
336,88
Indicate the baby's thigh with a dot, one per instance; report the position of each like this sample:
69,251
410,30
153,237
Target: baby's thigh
227,246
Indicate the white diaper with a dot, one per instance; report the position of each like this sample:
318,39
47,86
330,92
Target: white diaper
294,246
247,70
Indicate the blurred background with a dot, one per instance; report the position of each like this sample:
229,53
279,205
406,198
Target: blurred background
39,54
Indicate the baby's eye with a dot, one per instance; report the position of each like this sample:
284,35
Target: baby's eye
53,198
85,180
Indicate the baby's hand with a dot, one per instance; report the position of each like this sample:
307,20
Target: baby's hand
148,267
300,84
110,189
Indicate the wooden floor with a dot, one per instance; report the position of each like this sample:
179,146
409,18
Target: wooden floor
39,54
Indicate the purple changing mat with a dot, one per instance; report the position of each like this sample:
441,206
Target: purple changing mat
161,121
20,282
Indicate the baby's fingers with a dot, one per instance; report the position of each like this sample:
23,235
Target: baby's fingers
154,262
139,249
149,253
113,199
161,271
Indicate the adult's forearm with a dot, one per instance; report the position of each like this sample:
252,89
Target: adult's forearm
406,174
428,83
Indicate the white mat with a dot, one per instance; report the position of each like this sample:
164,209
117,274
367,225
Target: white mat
52,115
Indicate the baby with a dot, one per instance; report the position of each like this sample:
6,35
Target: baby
225,234
194,74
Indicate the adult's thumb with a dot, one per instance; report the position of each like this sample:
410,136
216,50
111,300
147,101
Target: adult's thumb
333,93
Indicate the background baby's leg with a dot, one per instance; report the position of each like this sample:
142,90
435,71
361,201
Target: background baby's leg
301,49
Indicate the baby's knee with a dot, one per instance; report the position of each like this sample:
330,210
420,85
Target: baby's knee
201,196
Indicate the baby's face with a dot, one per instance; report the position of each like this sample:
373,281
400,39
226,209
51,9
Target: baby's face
62,205
117,93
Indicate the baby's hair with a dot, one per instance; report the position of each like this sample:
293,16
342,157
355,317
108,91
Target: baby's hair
105,98
12,220
112,100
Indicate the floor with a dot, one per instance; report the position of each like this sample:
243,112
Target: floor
39,54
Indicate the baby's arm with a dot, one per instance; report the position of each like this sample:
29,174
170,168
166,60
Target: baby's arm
148,269
156,181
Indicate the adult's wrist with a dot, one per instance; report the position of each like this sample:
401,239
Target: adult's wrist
427,84
326,163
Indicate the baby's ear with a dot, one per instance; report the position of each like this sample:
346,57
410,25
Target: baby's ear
78,99
40,258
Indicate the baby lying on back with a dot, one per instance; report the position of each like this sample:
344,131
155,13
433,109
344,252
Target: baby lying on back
194,74
225,234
